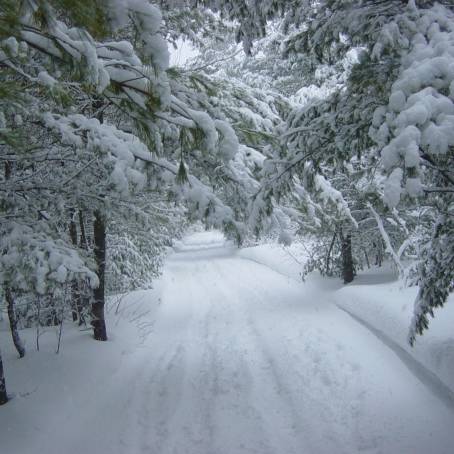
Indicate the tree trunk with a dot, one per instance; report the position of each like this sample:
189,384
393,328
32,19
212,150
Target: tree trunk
97,308
84,301
83,236
8,169
99,243
348,272
10,305
328,255
367,258
76,297
3,395
13,323
74,287
379,256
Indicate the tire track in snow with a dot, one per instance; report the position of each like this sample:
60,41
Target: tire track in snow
271,382
232,375
162,403
163,388
204,389
302,425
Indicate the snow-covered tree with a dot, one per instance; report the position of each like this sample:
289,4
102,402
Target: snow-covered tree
94,126
414,131
392,107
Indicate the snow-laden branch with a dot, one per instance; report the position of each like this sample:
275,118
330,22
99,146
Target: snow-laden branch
32,260
388,247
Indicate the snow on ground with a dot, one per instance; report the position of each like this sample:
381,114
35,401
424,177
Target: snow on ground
378,300
231,353
388,307
287,261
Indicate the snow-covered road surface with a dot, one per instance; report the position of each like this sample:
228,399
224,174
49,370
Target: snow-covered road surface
242,359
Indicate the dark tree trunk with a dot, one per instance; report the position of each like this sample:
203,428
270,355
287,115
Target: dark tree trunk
3,395
8,169
83,236
348,272
75,294
379,254
10,307
13,323
367,258
97,308
83,244
328,255
99,246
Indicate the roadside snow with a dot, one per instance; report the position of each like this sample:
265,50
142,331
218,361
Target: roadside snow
287,261
389,308
377,298
69,403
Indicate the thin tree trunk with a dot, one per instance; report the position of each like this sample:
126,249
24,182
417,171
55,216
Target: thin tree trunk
3,395
84,301
83,236
11,315
348,272
72,228
99,243
367,258
8,169
97,308
60,330
13,323
379,253
38,324
328,255
76,297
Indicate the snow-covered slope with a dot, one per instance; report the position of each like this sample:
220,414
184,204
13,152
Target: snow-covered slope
378,300
389,308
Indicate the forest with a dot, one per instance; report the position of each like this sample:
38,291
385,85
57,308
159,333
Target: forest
326,124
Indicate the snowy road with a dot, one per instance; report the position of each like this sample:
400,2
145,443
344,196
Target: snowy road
242,360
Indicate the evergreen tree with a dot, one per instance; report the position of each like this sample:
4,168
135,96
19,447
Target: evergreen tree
395,105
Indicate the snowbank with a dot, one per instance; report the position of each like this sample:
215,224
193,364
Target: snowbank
376,298
388,307
54,397
286,260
